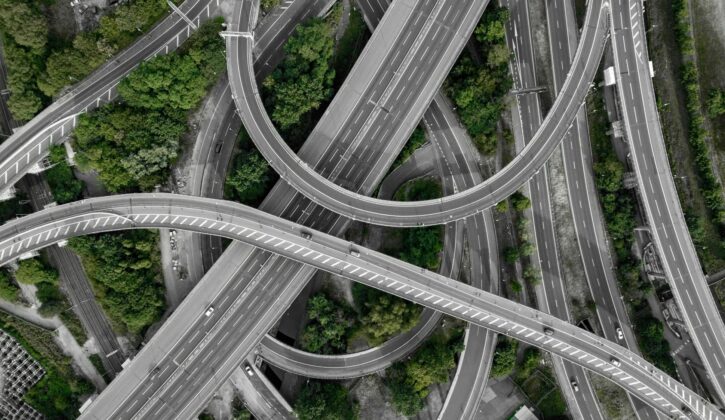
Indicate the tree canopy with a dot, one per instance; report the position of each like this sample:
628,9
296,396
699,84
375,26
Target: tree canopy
304,80
504,358
124,269
34,271
328,327
325,401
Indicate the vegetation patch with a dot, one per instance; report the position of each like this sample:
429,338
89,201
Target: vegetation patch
132,144
537,381
409,381
415,141
125,271
63,183
325,401
57,394
329,326
479,84
383,315
303,82
46,279
504,358
251,177
8,289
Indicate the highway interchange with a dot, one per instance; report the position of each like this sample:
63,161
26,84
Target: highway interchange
336,153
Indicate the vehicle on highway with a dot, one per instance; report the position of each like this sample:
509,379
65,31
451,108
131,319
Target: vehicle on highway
574,385
354,252
548,331
209,311
615,362
249,370
306,235
620,333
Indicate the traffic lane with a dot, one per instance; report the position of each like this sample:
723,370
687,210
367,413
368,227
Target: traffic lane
656,185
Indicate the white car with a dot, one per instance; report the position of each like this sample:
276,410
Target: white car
574,385
615,362
209,311
249,370
620,334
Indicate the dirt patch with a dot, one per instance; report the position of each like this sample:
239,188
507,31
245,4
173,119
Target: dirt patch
612,399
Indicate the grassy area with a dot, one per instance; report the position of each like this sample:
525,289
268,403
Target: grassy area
98,364
57,394
612,398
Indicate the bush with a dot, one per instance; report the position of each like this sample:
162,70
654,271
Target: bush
8,289
650,335
511,254
520,202
34,271
325,401
124,270
716,103
504,358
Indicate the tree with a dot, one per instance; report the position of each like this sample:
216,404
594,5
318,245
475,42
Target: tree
328,326
62,181
492,28
250,178
33,271
171,80
124,269
409,381
384,315
520,202
325,401
26,25
511,254
502,206
504,358
304,80
128,148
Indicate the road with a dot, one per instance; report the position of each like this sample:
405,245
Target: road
32,141
551,294
583,198
657,189
345,201
332,254
239,266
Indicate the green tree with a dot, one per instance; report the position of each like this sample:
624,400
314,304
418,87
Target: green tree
124,269
520,202
325,401
304,80
25,24
383,315
504,358
492,28
62,181
409,381
328,326
511,254
33,271
251,176
128,148
171,80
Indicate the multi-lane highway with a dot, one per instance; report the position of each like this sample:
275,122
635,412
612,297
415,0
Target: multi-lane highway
657,189
233,340
551,295
334,254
